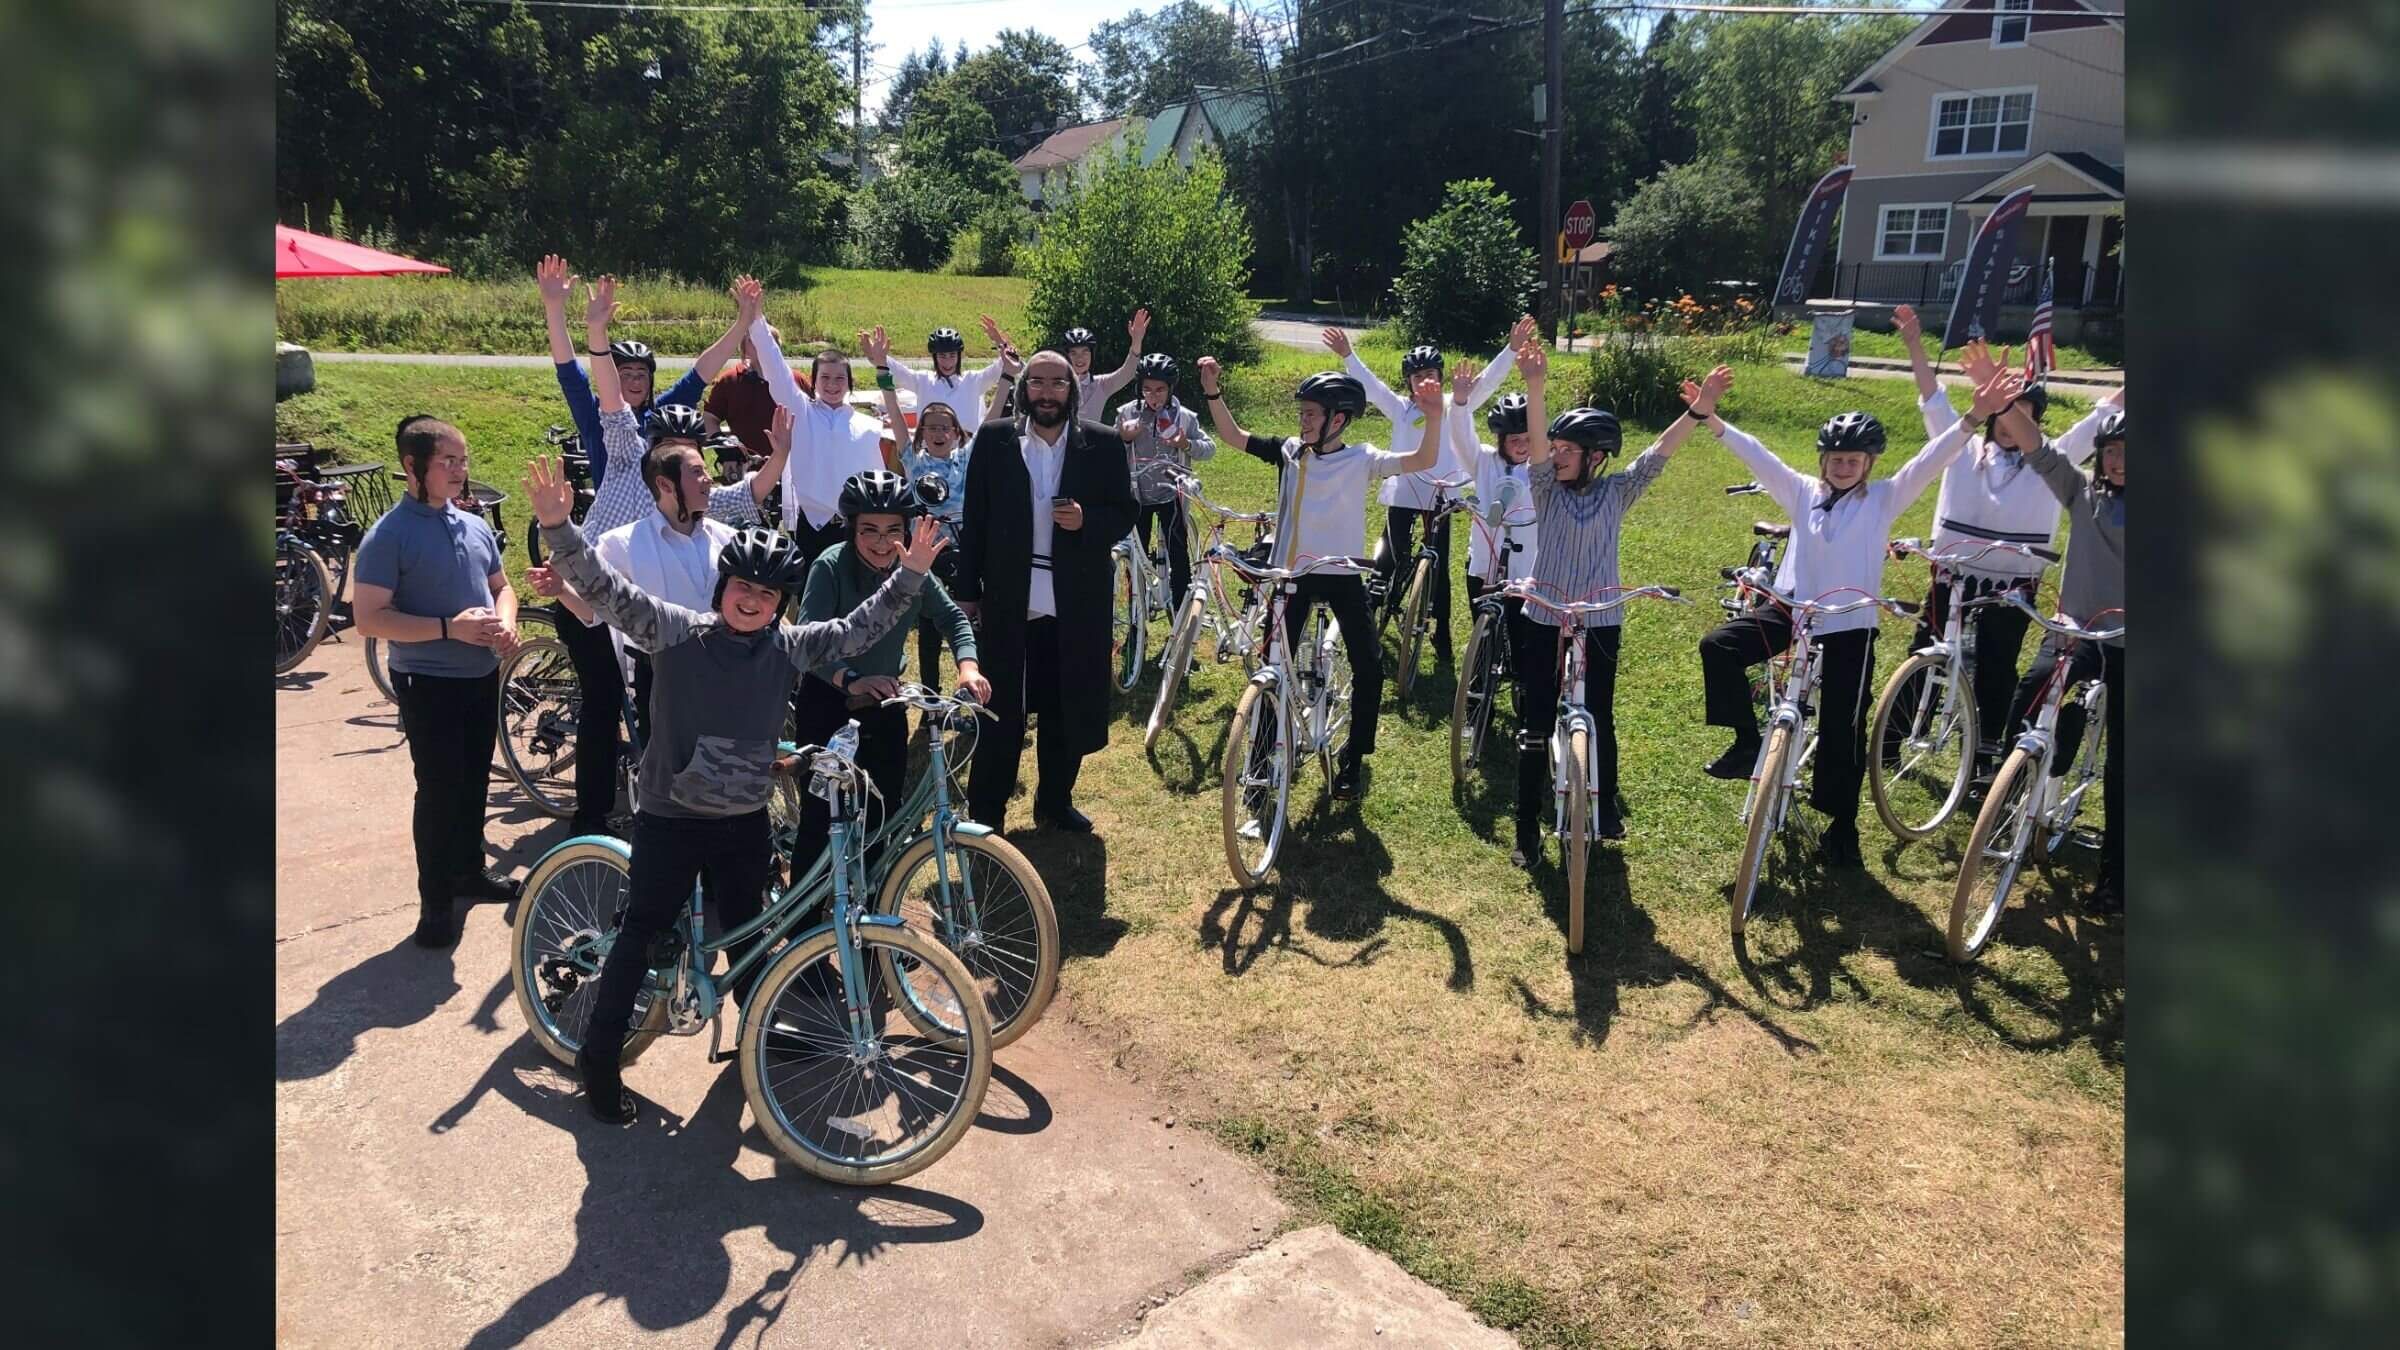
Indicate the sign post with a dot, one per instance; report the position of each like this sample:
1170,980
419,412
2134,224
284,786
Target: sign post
1581,224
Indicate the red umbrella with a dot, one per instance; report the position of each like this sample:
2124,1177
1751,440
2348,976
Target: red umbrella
301,254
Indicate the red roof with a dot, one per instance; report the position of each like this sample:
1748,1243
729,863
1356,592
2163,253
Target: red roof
1070,144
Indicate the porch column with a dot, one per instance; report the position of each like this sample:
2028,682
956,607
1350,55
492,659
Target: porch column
2091,254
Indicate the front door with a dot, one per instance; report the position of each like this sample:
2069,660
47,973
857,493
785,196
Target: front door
2067,237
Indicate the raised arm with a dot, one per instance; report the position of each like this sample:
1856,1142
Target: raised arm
1379,394
1787,485
1534,360
747,305
1135,330
597,312
1701,398
1495,374
1212,393
649,623
1912,336
776,370
556,284
813,645
1992,396
1430,405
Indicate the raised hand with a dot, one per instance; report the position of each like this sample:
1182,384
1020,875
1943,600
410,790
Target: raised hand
1533,361
1140,324
555,281
2114,399
1523,330
1209,376
1337,340
925,543
1702,396
1462,380
991,329
1904,318
779,431
2000,389
749,300
1426,397
1129,428
877,345
600,309
1976,360
553,497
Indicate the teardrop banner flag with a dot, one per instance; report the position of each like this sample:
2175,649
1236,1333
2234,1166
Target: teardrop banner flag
1809,235
1975,310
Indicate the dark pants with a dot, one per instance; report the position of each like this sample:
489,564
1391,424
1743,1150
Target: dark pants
451,725
1539,661
813,541
641,693
1177,537
670,854
1999,637
601,691
1346,596
882,752
993,780
1400,525
1846,670
929,634
2109,663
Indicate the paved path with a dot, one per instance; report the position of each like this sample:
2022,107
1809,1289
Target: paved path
438,1183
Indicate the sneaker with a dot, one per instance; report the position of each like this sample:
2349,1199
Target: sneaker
435,927
1737,761
1839,845
489,888
604,1092
1611,826
1529,844
1348,781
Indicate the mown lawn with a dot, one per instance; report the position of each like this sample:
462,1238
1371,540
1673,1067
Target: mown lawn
447,314
1836,1139
1867,342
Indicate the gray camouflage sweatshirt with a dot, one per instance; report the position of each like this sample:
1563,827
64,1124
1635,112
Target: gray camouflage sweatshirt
717,697
2095,577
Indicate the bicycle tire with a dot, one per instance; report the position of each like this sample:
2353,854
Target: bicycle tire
540,703
1022,945
1471,703
303,602
1182,640
1900,796
2090,763
1127,620
1261,707
959,1067
1578,769
1762,816
1974,916
1412,628
565,895
379,672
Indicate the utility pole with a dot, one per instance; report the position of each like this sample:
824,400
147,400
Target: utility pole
1554,53
858,92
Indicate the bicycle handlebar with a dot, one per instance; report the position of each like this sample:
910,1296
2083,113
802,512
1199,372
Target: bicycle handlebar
924,698
2061,625
1743,489
1233,559
1902,548
1523,589
1187,486
1906,609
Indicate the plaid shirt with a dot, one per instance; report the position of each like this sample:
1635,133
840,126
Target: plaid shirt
623,498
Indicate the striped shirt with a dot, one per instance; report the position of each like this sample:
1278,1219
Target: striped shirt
624,497
1575,535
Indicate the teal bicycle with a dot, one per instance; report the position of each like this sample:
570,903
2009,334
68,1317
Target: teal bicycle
865,1046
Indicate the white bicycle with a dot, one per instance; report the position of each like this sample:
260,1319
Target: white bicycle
1234,630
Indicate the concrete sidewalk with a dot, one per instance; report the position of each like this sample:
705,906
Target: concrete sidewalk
439,1183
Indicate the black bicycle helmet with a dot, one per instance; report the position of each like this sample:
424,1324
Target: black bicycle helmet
678,422
1595,429
932,490
1335,392
630,351
1079,337
877,492
944,340
1851,431
2112,429
2037,394
1155,366
762,557
1508,415
1421,358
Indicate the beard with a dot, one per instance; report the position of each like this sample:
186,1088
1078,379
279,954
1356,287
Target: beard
1046,412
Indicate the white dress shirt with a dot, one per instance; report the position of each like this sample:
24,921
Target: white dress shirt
1044,461
828,443
1415,491
664,562
964,393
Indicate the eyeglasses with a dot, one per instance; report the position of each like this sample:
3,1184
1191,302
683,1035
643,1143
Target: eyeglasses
1048,382
451,461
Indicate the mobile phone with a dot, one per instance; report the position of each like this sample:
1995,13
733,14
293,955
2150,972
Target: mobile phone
1056,502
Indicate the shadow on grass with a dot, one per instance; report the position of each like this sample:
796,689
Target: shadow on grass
2088,953
1075,868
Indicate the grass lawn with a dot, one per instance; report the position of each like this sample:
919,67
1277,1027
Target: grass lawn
1837,1140
447,314
1865,342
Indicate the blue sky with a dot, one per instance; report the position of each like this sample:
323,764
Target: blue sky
898,27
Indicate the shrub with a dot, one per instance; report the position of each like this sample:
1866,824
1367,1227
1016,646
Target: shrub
987,247
1639,375
1125,236
1465,275
1689,226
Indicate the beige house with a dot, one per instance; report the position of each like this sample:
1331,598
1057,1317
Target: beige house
1973,104
1064,151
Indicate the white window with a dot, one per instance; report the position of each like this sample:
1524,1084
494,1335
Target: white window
2009,23
1913,232
1988,123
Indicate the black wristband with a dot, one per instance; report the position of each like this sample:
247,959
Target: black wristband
1212,395
1695,414
445,628
589,352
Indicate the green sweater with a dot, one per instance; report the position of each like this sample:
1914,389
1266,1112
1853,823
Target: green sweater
839,580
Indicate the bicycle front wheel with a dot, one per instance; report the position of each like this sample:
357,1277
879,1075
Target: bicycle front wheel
1578,770
1413,624
1126,620
1921,747
1765,808
1995,858
378,672
981,898
1258,783
1471,702
303,603
571,903
1181,642
863,1111
540,703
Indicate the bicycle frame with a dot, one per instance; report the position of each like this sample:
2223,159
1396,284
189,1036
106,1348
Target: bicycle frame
1573,713
1792,679
2039,739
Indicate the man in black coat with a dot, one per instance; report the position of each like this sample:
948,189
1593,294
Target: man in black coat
1047,498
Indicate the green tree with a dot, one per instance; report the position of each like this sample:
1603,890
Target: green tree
1692,224
1126,236
1026,81
1144,62
1467,273
917,70
1667,138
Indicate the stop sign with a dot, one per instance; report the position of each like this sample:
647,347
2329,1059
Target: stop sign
1582,224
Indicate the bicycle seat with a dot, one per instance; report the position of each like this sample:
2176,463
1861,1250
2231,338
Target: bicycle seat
1767,529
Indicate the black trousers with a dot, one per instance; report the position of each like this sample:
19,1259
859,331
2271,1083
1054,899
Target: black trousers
1999,638
813,541
1170,518
1400,526
601,689
670,854
451,724
1846,675
2109,663
993,779
1346,596
1538,662
929,634
882,752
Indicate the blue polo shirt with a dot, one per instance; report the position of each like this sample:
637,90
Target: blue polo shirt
437,561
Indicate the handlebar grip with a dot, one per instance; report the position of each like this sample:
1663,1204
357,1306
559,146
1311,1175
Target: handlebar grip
1908,607
1730,573
1671,592
1740,488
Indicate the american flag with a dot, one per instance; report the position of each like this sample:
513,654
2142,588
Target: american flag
2041,354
